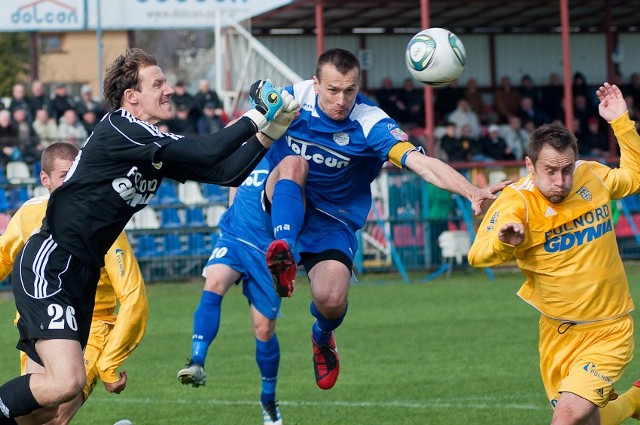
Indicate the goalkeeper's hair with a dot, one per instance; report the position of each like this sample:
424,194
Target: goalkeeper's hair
124,73
59,150
341,59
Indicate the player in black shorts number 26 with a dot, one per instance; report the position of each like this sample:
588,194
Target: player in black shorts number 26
116,173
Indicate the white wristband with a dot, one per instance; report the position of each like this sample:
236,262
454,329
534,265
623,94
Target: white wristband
258,119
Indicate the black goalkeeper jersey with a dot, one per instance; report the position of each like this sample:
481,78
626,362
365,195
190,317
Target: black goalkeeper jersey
117,173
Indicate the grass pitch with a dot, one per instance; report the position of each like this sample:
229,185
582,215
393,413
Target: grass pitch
450,351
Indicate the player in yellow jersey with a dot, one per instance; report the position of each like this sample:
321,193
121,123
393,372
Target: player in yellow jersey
556,222
112,338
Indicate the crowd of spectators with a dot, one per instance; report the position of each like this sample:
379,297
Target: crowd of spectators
489,124
32,120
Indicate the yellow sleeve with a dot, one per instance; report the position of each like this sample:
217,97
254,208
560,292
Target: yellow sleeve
487,250
26,221
625,180
131,323
10,244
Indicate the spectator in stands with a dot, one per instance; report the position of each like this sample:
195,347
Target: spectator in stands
26,139
8,138
493,147
529,89
181,123
469,143
206,95
37,99
464,115
60,103
45,128
70,129
516,136
411,105
456,149
183,98
593,143
529,111
447,100
387,97
209,122
85,102
633,88
507,99
552,96
473,95
634,111
582,110
89,121
580,87
19,100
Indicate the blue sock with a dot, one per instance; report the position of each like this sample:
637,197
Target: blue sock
287,210
268,359
322,328
206,322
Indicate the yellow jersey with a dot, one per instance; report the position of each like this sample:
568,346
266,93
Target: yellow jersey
120,281
570,255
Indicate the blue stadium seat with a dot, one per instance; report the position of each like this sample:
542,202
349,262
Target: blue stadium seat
197,244
215,193
171,244
170,218
195,217
146,247
166,194
4,201
18,196
3,175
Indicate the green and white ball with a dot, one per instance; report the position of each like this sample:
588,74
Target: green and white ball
435,57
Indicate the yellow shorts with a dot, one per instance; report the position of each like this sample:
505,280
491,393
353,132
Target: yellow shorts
586,359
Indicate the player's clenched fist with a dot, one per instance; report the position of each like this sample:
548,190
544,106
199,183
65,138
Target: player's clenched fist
279,125
266,103
265,98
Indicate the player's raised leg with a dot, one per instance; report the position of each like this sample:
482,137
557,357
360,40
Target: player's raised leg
285,190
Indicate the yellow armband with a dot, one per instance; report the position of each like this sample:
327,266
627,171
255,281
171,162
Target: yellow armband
399,151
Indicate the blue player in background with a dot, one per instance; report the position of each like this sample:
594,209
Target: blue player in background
318,192
239,255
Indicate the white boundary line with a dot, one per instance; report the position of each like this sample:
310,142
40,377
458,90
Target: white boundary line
468,403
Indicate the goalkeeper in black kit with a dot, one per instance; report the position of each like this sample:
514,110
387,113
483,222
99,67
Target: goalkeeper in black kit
116,173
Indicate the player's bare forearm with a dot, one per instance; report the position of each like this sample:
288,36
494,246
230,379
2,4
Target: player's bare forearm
439,174
436,172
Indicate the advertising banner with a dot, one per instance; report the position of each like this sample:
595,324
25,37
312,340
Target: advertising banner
70,15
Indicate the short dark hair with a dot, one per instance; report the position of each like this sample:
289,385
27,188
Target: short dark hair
341,59
555,135
124,73
58,150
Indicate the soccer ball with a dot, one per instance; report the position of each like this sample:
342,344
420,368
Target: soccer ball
435,57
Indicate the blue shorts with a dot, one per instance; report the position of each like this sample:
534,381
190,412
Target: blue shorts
249,261
322,232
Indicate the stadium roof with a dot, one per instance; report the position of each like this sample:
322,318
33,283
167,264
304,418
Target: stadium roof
459,16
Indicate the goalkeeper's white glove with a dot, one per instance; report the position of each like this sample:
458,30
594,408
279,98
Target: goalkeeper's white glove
283,119
266,102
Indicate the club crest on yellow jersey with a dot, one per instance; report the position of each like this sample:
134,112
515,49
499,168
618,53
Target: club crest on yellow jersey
585,194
